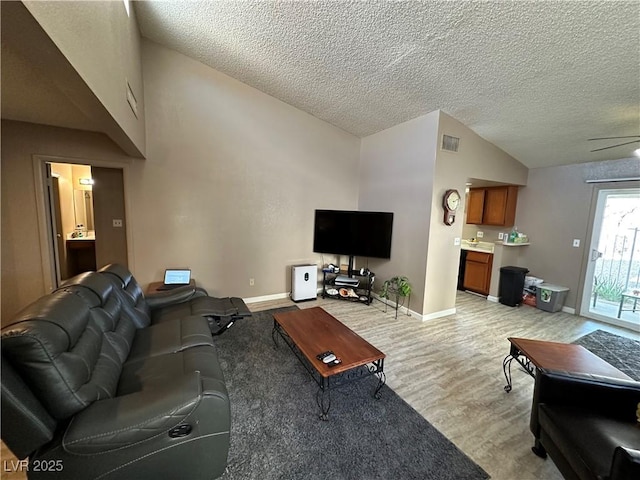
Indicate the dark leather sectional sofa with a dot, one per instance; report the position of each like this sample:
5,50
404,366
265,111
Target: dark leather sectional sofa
100,383
587,424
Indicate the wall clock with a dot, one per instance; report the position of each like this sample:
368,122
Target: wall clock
450,202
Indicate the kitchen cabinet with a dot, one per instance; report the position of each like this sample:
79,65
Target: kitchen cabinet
475,205
492,205
477,272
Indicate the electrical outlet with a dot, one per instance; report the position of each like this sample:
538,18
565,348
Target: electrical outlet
252,282
500,236
480,234
117,222
576,242
456,241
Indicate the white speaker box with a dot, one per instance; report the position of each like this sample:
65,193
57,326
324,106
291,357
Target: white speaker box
304,282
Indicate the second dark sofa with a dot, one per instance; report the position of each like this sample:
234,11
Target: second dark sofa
587,424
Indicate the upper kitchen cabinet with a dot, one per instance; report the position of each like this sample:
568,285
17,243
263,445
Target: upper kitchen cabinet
475,205
492,205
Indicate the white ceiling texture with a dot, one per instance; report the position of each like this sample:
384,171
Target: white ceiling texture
535,78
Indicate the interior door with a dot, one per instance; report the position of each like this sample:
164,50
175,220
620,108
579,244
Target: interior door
52,191
613,268
60,261
109,216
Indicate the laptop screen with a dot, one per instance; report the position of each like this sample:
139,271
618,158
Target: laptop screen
176,276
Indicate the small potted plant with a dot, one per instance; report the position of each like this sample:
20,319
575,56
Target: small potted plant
398,286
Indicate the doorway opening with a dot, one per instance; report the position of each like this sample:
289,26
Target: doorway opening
612,282
73,213
83,217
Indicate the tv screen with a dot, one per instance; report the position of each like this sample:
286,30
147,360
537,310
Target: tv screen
361,234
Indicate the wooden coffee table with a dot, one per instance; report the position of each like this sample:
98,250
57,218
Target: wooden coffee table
311,331
568,357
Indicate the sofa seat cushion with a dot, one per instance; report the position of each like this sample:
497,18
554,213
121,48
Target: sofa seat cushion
149,372
585,439
170,337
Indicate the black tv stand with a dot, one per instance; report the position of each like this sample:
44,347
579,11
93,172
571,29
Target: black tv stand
361,293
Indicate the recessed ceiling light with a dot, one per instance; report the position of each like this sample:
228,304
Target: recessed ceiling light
636,152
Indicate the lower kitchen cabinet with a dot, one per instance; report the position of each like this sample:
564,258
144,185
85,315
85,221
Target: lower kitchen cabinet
477,272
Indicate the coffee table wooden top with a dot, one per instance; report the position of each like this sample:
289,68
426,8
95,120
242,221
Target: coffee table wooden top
315,331
565,357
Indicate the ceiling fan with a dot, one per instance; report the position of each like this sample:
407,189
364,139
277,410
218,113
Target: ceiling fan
637,140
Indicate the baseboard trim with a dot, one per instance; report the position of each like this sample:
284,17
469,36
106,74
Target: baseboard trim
440,314
570,310
493,299
266,298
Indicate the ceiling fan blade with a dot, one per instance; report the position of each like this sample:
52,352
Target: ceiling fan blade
614,146
613,138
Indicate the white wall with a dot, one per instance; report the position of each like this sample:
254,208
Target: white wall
231,180
102,43
396,175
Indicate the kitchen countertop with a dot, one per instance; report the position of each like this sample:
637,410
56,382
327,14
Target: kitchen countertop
483,247
487,247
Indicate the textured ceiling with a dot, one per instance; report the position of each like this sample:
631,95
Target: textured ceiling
537,79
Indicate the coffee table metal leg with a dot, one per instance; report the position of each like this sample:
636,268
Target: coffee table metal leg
382,378
275,333
523,361
506,368
323,398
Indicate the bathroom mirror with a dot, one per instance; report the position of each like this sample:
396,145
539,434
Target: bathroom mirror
83,208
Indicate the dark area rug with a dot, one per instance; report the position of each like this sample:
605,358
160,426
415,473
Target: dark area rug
276,432
623,353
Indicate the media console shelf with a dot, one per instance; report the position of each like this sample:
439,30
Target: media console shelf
361,293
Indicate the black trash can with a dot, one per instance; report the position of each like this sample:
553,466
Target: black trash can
512,285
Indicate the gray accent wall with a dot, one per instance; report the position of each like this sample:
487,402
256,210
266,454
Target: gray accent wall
556,207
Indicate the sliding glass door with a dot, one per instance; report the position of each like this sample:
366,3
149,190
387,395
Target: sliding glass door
612,282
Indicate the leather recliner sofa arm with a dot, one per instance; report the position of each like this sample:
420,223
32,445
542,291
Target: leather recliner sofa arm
171,297
626,464
590,392
130,419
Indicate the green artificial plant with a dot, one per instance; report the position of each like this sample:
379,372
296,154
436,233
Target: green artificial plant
399,286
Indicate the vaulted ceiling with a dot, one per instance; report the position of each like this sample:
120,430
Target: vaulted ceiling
537,79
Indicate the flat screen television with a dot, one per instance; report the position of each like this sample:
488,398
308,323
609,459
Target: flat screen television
360,234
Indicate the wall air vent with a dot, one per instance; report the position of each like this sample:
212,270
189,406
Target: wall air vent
450,144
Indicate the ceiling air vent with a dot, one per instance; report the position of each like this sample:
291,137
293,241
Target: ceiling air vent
450,144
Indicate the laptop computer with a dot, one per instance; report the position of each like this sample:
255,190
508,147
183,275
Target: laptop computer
175,277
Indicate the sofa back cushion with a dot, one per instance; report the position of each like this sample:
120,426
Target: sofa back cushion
106,309
130,292
58,349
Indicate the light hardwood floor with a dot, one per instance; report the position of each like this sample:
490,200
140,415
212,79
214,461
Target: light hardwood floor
450,371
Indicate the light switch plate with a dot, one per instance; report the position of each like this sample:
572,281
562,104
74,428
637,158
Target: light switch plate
456,241
480,234
576,242
500,236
